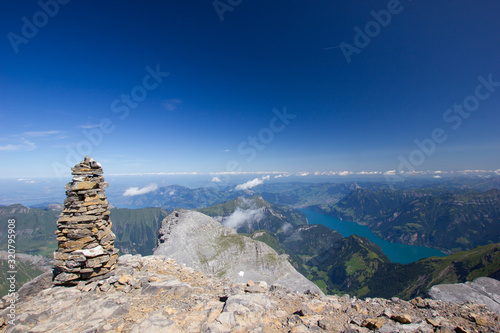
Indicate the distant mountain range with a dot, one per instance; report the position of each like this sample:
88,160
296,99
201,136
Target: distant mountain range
290,194
449,217
176,196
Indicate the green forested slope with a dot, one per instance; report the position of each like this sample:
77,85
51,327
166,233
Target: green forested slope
410,280
34,229
25,272
136,230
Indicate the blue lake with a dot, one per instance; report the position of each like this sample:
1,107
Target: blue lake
401,253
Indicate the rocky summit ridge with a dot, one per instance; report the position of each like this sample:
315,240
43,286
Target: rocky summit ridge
157,294
200,242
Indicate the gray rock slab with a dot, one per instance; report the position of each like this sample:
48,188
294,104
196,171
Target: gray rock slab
482,290
200,242
155,323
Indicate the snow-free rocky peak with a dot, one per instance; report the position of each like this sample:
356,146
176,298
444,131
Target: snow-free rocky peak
200,242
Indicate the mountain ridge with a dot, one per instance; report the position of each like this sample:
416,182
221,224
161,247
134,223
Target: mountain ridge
200,242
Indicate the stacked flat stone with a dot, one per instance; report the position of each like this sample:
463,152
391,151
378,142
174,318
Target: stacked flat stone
86,243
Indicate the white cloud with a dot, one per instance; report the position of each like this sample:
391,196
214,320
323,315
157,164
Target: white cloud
90,126
283,175
25,145
252,183
287,227
216,180
249,184
27,181
497,171
240,217
368,173
138,191
171,104
390,172
40,133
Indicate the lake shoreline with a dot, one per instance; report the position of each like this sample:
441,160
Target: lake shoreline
397,252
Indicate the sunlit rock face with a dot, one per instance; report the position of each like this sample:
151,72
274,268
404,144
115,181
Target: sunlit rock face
200,242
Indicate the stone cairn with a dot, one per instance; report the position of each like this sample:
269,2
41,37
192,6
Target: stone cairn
86,243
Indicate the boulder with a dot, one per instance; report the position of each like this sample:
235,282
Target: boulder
482,290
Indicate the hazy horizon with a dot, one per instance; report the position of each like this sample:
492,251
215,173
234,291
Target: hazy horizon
35,191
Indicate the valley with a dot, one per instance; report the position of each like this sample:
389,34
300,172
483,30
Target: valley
448,220
352,264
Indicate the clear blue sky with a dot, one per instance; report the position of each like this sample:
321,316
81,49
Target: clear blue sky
356,108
